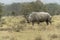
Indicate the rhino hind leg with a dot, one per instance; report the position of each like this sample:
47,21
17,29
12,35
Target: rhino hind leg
32,23
50,22
38,22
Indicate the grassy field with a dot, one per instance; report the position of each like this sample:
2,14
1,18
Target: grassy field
15,28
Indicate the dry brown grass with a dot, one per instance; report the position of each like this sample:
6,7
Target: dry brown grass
15,28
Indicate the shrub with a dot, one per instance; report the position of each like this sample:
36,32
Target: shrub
38,38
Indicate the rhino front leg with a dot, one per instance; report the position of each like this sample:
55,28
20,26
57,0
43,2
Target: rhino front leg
47,22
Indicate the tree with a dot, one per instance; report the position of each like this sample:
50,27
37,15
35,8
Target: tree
13,13
27,8
1,9
53,8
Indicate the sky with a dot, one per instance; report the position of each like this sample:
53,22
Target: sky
51,1
13,1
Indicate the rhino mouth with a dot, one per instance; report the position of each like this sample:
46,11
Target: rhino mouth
27,21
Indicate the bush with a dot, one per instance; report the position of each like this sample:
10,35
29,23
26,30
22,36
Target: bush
54,36
18,28
38,38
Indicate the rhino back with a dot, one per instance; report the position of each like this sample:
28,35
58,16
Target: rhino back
39,16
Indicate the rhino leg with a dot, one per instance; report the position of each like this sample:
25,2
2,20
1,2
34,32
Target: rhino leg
32,23
50,22
38,22
47,22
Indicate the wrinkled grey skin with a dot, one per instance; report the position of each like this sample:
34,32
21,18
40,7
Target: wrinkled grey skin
39,17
